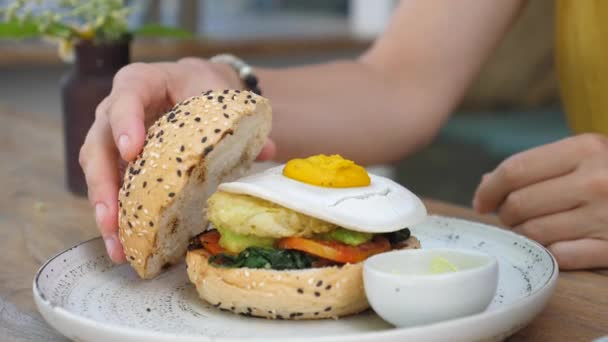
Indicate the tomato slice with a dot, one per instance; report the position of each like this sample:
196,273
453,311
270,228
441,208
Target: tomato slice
211,242
337,251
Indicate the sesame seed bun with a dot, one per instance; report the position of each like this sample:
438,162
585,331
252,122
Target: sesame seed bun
314,293
199,143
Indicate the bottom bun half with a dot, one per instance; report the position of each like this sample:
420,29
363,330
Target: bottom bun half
315,293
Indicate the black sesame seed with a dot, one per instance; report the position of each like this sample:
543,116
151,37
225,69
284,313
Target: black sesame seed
187,113
130,225
119,204
160,140
132,257
197,119
159,180
127,194
148,309
319,283
207,150
171,117
226,116
249,310
174,121
218,304
328,309
139,207
181,125
204,140
179,173
225,91
317,294
253,101
220,99
217,130
172,194
145,184
249,96
185,103
124,212
278,316
292,315
142,163
151,224
182,148
237,91
246,101
300,291
207,92
136,217
316,313
232,308
209,97
179,160
328,287
224,106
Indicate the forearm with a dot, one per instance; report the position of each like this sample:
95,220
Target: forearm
393,99
348,108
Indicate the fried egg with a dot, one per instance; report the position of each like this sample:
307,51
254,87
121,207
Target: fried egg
380,207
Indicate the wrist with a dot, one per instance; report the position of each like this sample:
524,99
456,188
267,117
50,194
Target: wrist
228,74
244,71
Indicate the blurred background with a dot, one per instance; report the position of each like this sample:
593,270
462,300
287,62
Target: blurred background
512,106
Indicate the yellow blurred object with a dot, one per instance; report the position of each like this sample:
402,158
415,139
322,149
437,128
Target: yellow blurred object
441,265
582,62
329,171
86,32
66,50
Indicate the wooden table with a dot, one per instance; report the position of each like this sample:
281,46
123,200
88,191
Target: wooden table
39,218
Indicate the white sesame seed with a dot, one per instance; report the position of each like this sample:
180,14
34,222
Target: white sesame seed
338,285
146,211
248,287
254,284
311,280
279,277
214,120
246,273
261,284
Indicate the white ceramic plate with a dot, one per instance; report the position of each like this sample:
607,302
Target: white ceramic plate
86,298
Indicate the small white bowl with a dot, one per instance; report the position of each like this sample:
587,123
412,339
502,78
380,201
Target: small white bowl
402,290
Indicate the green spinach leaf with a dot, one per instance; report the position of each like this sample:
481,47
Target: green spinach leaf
398,236
264,257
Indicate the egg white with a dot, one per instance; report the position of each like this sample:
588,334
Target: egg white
383,206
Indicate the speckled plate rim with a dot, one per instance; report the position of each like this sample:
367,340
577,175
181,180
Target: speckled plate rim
545,290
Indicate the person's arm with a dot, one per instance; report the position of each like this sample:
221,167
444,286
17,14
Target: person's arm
394,98
378,108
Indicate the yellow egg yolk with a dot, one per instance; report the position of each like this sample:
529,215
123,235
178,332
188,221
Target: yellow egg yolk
329,171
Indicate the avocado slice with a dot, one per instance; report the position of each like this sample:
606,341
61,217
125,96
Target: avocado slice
346,236
236,243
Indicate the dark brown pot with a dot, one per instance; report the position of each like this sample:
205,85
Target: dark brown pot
82,89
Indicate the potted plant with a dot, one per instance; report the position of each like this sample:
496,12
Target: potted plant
95,37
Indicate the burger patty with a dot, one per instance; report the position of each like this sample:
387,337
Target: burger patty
248,215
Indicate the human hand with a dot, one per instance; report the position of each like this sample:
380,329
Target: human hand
556,194
140,94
